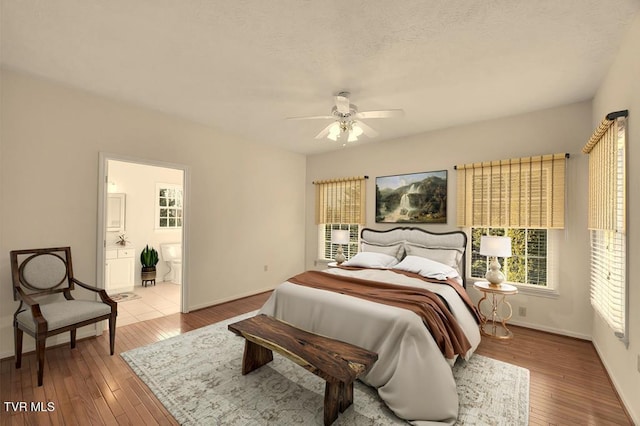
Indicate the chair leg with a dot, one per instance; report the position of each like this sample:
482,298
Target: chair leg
72,338
40,346
17,334
112,333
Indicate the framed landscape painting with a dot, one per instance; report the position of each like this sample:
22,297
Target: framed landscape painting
412,198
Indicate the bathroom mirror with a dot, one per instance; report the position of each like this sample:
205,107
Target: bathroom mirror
116,212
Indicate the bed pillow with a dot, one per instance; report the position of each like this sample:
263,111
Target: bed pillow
395,250
450,257
369,259
427,268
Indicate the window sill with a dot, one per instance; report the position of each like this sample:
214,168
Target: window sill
530,290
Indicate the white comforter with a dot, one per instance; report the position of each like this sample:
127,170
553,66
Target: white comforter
411,374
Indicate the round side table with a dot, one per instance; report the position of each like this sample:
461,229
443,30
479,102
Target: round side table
494,324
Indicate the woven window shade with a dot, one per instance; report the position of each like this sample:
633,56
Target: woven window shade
526,192
606,176
341,200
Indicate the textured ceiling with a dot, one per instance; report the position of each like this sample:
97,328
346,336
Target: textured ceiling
246,65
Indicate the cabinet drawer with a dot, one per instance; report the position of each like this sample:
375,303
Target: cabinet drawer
111,254
125,253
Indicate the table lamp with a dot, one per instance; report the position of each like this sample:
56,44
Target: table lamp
495,247
340,236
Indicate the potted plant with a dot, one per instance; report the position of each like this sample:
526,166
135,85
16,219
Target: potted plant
149,260
122,239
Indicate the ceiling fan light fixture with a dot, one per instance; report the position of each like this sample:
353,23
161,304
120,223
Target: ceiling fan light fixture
346,125
356,130
334,131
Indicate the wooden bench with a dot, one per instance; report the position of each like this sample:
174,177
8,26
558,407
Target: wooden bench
338,363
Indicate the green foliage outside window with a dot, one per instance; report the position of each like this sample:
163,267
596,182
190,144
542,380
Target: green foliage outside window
528,263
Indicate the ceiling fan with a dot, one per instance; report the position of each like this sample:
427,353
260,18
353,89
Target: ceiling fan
348,120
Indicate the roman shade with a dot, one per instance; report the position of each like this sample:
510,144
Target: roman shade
527,192
607,220
341,200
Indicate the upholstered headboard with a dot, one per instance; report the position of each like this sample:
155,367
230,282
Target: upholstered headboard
455,240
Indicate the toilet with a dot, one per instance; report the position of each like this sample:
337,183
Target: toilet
172,254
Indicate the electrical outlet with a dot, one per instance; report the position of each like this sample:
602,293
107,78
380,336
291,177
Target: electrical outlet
522,311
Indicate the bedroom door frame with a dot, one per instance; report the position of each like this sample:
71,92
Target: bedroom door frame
103,159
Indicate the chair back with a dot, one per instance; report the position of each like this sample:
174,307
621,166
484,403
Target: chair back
39,272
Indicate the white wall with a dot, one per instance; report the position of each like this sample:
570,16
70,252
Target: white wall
138,182
621,90
247,200
563,129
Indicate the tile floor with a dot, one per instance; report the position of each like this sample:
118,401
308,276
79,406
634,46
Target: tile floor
154,302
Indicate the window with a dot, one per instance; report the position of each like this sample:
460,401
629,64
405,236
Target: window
327,249
169,209
528,264
340,204
607,221
522,198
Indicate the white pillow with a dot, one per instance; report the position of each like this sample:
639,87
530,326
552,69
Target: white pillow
369,259
450,257
426,268
395,250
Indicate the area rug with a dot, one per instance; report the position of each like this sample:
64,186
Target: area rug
197,376
124,297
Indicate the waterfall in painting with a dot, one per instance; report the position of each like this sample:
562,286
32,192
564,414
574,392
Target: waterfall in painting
405,200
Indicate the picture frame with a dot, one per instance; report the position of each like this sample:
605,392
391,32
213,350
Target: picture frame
412,198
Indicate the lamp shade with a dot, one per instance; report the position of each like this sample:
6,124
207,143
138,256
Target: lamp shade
340,236
495,246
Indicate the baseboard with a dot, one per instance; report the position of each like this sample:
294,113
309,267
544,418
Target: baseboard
57,340
229,299
634,416
551,330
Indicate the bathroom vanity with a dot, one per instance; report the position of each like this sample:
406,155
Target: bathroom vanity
119,271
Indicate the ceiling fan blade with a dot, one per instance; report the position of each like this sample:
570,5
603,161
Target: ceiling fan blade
367,130
312,117
381,114
324,132
342,103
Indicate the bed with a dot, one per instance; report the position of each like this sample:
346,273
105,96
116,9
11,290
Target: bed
412,375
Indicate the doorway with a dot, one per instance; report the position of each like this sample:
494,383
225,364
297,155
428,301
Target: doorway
142,205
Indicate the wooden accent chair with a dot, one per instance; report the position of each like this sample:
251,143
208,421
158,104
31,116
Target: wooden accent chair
46,274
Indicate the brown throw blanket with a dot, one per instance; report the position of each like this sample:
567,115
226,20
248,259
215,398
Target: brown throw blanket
451,283
444,328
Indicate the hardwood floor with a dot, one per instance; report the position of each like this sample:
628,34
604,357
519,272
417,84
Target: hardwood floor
569,385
